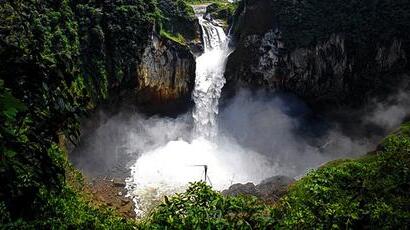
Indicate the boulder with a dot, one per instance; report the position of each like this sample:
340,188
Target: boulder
273,188
269,190
241,189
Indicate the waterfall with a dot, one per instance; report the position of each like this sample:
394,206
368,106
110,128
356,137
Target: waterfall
210,67
168,168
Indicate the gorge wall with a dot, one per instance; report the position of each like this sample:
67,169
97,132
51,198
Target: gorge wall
329,54
166,72
128,52
61,59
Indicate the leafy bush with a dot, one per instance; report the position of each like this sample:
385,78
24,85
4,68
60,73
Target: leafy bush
200,207
370,192
47,84
112,36
67,208
373,191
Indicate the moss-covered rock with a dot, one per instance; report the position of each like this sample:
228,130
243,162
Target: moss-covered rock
179,23
221,11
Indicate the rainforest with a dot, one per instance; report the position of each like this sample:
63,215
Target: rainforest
204,114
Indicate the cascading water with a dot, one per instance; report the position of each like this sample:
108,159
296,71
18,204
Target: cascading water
209,79
170,168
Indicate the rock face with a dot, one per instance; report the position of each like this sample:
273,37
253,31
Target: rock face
326,53
221,14
269,190
181,20
166,73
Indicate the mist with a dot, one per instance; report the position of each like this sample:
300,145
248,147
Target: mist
259,135
286,131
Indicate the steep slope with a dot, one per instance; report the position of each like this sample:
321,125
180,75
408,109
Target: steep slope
166,74
61,59
338,52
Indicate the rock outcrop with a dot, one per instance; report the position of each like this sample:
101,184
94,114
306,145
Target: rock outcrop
221,14
166,73
180,19
269,190
325,53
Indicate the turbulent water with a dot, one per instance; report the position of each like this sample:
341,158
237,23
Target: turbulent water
209,79
169,169
255,135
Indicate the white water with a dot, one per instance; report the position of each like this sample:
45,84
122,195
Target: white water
210,67
169,169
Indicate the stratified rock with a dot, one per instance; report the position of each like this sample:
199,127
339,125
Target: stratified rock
166,73
324,53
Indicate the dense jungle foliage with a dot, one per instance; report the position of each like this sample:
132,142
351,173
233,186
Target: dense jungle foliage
61,58
366,22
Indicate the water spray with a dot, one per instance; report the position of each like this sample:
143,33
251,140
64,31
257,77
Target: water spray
206,177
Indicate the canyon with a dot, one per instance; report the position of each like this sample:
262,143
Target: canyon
260,114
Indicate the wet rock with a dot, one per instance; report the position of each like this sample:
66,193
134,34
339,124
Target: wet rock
273,188
241,189
125,201
269,190
220,13
118,183
101,198
113,196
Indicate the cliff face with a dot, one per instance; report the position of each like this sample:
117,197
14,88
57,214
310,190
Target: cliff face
119,57
179,20
339,53
221,14
166,72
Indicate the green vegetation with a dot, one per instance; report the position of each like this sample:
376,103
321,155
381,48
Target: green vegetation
177,21
178,38
198,2
60,59
366,22
223,11
68,208
370,192
202,208
112,34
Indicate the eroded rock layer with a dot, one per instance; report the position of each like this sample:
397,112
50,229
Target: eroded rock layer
328,54
166,72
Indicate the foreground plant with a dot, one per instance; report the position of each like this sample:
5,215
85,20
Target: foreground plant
370,192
